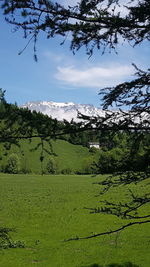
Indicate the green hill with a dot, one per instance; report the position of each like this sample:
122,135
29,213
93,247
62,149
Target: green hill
33,156
21,153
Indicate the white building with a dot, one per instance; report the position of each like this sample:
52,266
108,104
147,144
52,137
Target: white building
94,144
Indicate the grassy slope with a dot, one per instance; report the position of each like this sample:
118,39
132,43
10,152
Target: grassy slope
67,155
47,209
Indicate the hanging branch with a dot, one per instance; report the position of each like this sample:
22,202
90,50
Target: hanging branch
108,232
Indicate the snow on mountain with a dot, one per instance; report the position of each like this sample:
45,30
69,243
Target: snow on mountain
67,111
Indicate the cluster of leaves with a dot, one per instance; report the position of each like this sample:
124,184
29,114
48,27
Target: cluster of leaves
93,24
13,164
124,151
51,166
7,242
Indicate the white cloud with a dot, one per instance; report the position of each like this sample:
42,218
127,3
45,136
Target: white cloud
94,77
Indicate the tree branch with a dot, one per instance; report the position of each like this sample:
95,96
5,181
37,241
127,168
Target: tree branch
108,232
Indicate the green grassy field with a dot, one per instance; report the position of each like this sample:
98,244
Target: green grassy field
45,210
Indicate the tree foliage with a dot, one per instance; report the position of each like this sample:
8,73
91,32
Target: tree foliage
93,24
51,166
13,164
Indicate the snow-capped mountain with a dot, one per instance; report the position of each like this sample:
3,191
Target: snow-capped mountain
67,111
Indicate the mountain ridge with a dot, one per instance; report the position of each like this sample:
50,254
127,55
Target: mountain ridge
63,110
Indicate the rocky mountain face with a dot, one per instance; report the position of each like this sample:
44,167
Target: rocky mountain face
67,111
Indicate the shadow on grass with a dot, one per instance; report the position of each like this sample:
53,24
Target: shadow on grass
126,264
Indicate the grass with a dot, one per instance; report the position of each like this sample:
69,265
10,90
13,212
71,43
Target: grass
45,210
66,155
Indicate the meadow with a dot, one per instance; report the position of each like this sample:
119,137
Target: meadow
46,210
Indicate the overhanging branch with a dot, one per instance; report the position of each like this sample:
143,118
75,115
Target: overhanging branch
108,232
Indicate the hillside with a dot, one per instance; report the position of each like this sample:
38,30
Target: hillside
69,158
29,139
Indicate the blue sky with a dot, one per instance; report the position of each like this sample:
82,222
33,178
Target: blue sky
59,75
